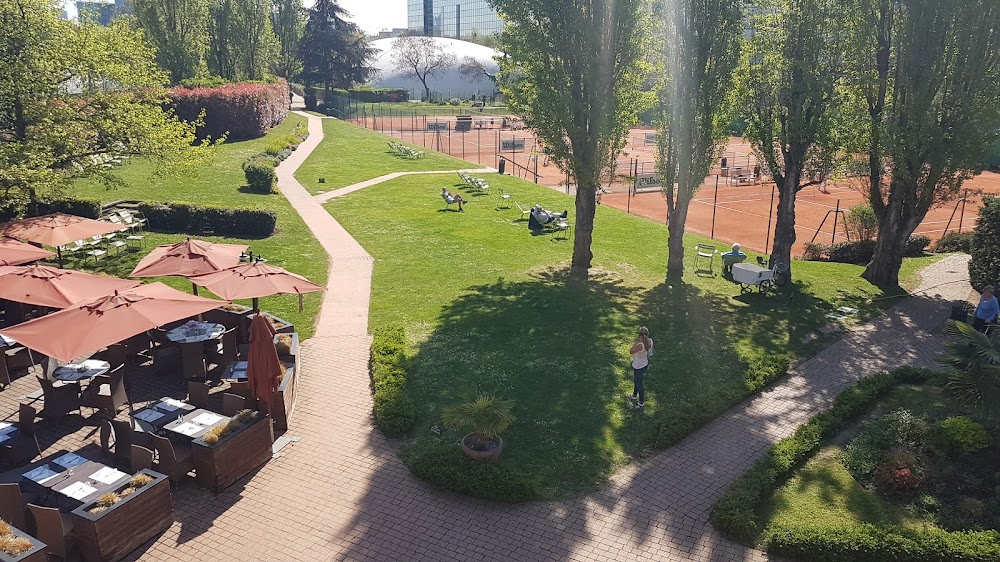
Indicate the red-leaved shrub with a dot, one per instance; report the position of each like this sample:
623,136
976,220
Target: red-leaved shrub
243,110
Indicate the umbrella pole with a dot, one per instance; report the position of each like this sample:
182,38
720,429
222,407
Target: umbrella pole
194,289
255,303
59,252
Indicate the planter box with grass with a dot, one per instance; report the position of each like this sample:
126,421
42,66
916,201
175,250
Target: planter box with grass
280,326
111,527
27,547
235,454
283,404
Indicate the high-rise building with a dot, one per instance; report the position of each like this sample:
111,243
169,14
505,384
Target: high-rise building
461,19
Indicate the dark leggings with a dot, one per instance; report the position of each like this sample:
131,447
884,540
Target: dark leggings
638,389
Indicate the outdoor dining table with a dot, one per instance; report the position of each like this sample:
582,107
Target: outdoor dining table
7,432
7,342
196,423
85,370
154,417
75,477
237,371
193,331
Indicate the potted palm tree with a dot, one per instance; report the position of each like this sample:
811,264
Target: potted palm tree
976,359
485,417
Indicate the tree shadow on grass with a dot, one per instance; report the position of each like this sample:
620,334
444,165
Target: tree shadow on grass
549,343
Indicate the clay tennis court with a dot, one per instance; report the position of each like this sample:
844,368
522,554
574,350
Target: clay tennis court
741,212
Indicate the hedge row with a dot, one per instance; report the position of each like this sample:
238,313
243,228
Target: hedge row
394,409
243,111
82,207
443,464
861,251
736,513
954,242
259,168
255,222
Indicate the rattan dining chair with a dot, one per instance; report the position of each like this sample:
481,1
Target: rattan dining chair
232,403
198,394
12,506
174,462
141,458
193,360
59,400
54,529
107,392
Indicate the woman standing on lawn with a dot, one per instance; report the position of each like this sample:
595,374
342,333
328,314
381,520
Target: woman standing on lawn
641,351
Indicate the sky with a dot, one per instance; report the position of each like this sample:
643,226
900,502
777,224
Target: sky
374,15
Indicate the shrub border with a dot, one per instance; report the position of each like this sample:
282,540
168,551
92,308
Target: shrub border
395,412
736,514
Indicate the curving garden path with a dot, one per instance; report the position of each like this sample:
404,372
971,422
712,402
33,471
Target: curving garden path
340,493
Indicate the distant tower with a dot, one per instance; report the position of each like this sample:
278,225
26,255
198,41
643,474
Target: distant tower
429,18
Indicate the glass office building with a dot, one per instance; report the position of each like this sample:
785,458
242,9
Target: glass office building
461,19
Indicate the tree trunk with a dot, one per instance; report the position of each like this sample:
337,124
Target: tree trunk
784,228
893,231
586,206
675,239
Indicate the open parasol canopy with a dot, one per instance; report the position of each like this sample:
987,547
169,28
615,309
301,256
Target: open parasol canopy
15,252
187,258
254,280
95,323
57,229
263,365
56,288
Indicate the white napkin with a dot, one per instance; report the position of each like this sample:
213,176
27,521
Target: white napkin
188,428
170,405
78,490
207,419
149,415
107,475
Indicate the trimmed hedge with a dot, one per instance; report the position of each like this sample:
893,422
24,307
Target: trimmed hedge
197,219
736,513
954,242
259,169
860,252
443,464
243,111
260,176
395,412
82,207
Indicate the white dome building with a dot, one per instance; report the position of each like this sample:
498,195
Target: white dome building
447,84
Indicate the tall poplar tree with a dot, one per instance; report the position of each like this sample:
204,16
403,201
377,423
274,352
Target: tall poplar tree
572,69
288,21
179,31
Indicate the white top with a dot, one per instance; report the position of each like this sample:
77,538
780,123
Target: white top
641,359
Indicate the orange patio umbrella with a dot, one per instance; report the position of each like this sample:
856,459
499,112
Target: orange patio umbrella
263,365
187,258
57,229
15,252
56,288
255,280
96,323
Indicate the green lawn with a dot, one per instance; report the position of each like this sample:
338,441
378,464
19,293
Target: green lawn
486,303
292,246
433,109
350,154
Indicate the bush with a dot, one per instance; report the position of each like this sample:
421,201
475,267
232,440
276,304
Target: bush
395,412
954,242
274,147
861,223
260,176
915,246
735,514
859,252
863,542
959,435
223,221
901,472
984,267
443,464
204,82
869,449
243,111
90,208
816,251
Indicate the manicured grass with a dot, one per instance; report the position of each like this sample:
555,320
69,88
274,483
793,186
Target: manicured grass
350,154
485,303
292,246
433,109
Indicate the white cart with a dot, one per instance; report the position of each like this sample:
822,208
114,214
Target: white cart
749,276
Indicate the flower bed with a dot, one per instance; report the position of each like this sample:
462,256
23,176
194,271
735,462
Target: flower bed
223,457
110,528
284,399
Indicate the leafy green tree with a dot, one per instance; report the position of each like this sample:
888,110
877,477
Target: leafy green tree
928,79
700,52
288,21
242,45
334,52
984,267
179,31
74,96
573,70
787,90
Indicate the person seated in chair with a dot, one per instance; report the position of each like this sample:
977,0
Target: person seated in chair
731,257
451,198
987,310
540,217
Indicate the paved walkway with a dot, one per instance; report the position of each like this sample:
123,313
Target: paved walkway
342,494
324,197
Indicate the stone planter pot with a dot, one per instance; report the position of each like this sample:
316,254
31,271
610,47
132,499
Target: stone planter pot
126,525
488,454
35,554
219,465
